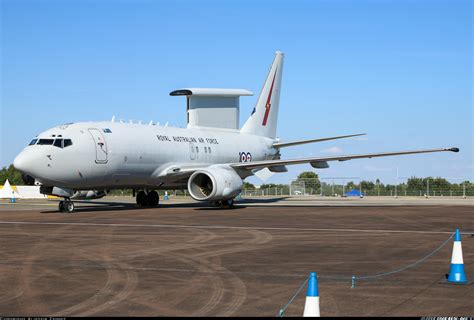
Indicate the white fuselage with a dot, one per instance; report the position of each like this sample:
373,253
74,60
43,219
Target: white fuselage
108,155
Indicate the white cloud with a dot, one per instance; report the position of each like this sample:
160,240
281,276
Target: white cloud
332,150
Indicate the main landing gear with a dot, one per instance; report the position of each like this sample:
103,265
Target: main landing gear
224,204
66,206
148,198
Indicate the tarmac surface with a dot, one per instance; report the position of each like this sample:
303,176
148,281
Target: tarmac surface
111,258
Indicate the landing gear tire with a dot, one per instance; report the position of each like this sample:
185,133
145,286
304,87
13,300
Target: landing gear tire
152,198
66,206
227,204
69,206
61,206
224,204
142,198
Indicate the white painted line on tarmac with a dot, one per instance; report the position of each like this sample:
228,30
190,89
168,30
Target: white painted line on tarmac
83,224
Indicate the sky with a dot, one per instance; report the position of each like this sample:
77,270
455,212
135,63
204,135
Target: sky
400,71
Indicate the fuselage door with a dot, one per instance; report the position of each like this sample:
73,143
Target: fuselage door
192,150
100,146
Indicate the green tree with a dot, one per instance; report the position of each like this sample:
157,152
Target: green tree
311,181
267,185
248,185
10,173
440,184
367,185
350,186
415,183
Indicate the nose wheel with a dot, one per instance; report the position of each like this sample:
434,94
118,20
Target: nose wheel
66,206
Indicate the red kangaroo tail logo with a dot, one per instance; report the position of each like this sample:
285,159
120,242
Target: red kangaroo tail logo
268,105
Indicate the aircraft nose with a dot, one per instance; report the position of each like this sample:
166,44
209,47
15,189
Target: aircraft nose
24,162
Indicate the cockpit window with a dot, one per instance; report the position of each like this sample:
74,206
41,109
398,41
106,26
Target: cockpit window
67,143
58,143
45,141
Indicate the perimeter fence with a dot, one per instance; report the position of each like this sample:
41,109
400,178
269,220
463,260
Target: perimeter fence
342,187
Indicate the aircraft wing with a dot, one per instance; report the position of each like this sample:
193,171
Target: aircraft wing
321,162
294,143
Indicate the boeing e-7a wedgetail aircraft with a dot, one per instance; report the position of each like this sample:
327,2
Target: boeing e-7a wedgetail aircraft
210,157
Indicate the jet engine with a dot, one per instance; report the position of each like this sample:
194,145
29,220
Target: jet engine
214,183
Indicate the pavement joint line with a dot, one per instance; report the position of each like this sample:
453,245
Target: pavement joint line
220,227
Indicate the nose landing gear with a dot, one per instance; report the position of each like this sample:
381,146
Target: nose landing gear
148,198
66,206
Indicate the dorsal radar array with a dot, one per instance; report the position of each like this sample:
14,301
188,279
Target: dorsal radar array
211,107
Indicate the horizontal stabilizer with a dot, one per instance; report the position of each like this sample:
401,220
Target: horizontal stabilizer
294,143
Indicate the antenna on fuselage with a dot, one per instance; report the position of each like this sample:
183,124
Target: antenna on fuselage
166,124
113,119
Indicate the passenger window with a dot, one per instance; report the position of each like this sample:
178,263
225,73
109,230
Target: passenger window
33,142
67,143
45,141
205,149
58,143
209,149
197,149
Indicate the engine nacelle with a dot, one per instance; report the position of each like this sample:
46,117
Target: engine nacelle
214,183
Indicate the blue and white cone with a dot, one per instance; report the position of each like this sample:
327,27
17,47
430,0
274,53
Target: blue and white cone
456,273
311,307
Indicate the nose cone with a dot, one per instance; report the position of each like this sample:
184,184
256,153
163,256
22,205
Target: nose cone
24,162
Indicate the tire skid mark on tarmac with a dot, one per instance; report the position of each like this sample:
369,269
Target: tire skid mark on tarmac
27,274
168,248
108,295
217,280
204,235
259,238
95,303
128,288
202,238
219,277
17,291
168,253
193,285
239,289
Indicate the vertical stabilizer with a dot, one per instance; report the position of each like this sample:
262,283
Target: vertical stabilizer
264,117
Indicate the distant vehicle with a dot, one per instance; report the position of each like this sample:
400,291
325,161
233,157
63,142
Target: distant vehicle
210,157
297,193
354,193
